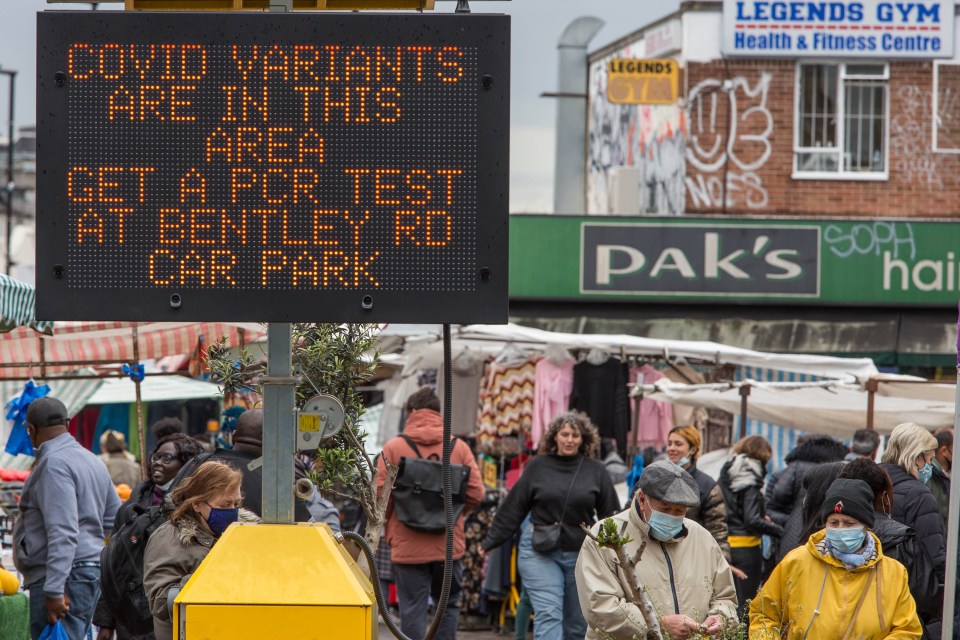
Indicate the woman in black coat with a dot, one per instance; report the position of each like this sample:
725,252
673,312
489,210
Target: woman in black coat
907,461
741,480
169,456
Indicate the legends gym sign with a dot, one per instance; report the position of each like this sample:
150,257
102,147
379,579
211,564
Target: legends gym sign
862,28
206,166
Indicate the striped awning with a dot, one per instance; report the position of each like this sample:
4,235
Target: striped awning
76,344
17,306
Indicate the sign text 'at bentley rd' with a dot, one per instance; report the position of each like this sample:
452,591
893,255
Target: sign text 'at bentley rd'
273,167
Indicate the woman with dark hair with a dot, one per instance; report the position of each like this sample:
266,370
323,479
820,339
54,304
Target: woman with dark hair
169,456
809,519
784,490
205,504
741,481
898,540
560,488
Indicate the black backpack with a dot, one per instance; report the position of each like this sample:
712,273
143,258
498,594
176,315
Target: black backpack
121,561
921,576
418,491
121,570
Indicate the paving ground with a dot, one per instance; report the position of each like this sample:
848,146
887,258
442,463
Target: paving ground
488,634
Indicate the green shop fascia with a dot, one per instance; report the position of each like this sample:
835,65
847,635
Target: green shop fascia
907,270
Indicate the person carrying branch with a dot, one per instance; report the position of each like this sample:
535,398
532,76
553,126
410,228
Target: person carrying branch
667,570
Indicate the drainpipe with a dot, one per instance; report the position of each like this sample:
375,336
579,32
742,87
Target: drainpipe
570,168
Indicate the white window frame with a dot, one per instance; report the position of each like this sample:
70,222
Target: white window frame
935,125
842,75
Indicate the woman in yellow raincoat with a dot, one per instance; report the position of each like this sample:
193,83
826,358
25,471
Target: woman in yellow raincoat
839,585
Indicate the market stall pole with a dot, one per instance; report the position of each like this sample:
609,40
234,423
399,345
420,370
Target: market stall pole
744,394
141,437
953,520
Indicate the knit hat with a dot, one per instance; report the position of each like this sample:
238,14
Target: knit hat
47,412
852,498
666,482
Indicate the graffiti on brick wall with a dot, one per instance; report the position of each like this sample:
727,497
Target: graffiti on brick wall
660,154
911,128
713,155
647,140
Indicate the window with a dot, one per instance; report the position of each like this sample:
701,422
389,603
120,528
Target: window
841,123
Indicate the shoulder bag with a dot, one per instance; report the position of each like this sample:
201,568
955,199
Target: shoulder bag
546,537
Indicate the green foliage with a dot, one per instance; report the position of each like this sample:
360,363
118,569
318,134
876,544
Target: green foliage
332,359
609,537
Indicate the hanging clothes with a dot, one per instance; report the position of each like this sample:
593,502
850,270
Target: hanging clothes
466,370
506,406
391,414
656,418
551,395
600,391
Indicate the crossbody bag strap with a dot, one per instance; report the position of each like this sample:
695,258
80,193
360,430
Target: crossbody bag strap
863,596
567,498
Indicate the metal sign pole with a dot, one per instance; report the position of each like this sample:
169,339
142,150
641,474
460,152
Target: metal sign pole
279,434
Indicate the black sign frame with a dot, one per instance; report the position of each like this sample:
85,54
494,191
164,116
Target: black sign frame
61,297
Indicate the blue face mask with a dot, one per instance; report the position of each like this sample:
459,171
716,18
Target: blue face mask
846,540
220,519
683,462
925,473
664,526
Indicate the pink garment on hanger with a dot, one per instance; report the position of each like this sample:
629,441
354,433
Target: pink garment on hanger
551,395
656,418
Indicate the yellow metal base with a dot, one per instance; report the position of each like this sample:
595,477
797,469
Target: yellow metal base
276,581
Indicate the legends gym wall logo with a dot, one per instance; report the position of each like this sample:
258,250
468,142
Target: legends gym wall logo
700,260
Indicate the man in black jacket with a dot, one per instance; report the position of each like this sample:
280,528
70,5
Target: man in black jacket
248,448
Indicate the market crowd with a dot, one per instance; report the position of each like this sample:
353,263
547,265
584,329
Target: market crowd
833,545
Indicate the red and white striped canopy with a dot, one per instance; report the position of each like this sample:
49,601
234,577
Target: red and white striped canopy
76,343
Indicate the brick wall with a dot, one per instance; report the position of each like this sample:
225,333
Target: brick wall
757,169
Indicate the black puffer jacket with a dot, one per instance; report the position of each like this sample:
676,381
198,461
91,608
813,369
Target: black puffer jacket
915,506
785,489
784,492
740,480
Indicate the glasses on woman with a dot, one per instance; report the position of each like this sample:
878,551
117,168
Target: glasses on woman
165,458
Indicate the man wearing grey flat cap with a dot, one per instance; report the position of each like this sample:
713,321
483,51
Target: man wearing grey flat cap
681,568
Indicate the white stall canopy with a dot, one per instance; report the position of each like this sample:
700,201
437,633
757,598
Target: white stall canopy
154,388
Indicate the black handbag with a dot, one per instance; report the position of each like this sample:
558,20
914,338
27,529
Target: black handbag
546,537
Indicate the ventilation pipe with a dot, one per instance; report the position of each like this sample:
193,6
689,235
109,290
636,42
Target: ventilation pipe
570,168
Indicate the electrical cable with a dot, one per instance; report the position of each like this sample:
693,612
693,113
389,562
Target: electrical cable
448,514
447,482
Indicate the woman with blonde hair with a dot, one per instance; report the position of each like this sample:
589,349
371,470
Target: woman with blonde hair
683,449
741,481
563,486
205,504
906,460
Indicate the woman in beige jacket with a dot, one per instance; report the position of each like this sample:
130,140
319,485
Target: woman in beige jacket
205,504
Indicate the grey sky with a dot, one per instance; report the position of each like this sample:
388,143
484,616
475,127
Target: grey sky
537,25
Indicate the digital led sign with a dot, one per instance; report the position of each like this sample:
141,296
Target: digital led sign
272,167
